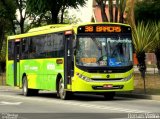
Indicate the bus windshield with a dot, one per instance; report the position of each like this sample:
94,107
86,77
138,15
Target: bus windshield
104,51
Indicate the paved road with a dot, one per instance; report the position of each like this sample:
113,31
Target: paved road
46,105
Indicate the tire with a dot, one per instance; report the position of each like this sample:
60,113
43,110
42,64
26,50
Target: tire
61,92
25,90
109,95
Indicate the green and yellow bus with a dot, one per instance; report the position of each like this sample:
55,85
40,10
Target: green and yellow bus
87,58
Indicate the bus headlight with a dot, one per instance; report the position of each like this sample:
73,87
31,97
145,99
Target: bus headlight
84,77
127,78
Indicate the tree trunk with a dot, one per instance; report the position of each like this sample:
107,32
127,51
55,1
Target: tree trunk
142,66
54,16
120,12
116,11
22,25
157,53
111,10
141,60
62,14
121,17
132,11
122,9
102,5
103,12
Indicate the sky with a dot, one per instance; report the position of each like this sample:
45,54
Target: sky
84,13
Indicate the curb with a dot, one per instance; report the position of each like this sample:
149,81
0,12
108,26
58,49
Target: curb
139,96
9,88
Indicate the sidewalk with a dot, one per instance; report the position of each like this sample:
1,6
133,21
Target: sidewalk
9,88
139,96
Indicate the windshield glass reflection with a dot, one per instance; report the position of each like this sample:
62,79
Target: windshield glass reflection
104,51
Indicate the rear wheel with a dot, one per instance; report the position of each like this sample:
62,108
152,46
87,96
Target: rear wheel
61,92
109,95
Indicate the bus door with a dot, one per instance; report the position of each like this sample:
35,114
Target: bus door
68,59
16,62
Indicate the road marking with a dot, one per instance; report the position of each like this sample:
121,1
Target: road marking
105,107
10,103
71,103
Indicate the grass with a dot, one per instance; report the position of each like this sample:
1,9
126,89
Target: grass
152,84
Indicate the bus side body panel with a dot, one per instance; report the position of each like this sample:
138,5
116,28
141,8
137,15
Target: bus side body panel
41,73
10,73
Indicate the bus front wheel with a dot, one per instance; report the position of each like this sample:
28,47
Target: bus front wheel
62,93
25,90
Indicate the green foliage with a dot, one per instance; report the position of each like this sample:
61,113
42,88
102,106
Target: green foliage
7,9
143,36
70,19
157,38
147,10
41,7
156,47
7,14
3,52
143,39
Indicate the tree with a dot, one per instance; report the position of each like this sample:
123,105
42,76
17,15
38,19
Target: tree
68,19
102,5
130,12
7,11
122,7
156,46
114,15
3,57
147,10
22,9
143,39
54,7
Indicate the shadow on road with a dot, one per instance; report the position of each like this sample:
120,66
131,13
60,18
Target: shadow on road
81,97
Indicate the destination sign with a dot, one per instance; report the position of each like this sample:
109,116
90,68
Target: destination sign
100,28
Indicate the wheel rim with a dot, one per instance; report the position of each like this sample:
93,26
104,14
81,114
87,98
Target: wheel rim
24,87
61,89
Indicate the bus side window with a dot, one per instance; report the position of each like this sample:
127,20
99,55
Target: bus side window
56,47
32,48
25,48
11,50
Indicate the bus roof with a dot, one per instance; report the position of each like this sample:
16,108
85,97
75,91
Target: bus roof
42,30
56,28
83,24
47,27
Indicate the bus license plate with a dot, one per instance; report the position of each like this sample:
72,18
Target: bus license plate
107,86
